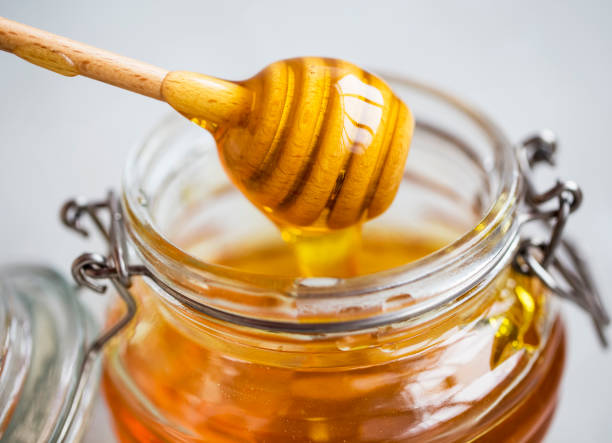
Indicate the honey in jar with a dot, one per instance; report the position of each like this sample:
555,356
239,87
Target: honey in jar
428,333
406,384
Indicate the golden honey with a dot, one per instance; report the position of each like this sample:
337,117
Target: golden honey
321,149
205,382
314,142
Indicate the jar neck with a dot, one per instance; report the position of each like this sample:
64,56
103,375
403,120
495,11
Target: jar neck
359,348
431,287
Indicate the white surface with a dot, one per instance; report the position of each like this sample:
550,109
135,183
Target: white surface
528,64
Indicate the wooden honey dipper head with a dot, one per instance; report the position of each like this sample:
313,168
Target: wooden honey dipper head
313,142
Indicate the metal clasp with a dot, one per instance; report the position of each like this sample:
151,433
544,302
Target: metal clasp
556,261
89,267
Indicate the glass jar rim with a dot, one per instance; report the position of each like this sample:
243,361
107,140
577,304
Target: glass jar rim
502,238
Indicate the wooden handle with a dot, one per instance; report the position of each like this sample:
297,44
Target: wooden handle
71,58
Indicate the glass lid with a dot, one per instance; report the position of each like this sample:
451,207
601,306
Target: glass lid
44,332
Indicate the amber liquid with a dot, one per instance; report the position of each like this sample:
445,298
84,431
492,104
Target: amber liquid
165,381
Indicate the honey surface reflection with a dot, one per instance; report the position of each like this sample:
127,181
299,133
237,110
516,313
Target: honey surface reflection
487,371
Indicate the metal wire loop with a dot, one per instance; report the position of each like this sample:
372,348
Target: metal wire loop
542,147
569,278
73,210
90,267
573,285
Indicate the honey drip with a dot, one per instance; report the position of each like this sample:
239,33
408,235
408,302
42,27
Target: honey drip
327,254
319,147
47,58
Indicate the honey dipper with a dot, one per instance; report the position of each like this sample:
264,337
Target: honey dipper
313,142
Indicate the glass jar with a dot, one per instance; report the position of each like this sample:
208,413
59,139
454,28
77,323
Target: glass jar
463,343
47,385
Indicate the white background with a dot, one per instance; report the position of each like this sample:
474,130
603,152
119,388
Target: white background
528,64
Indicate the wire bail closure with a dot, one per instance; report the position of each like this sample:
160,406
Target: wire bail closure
557,262
90,267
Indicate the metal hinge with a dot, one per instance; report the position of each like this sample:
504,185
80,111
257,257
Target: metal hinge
556,261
